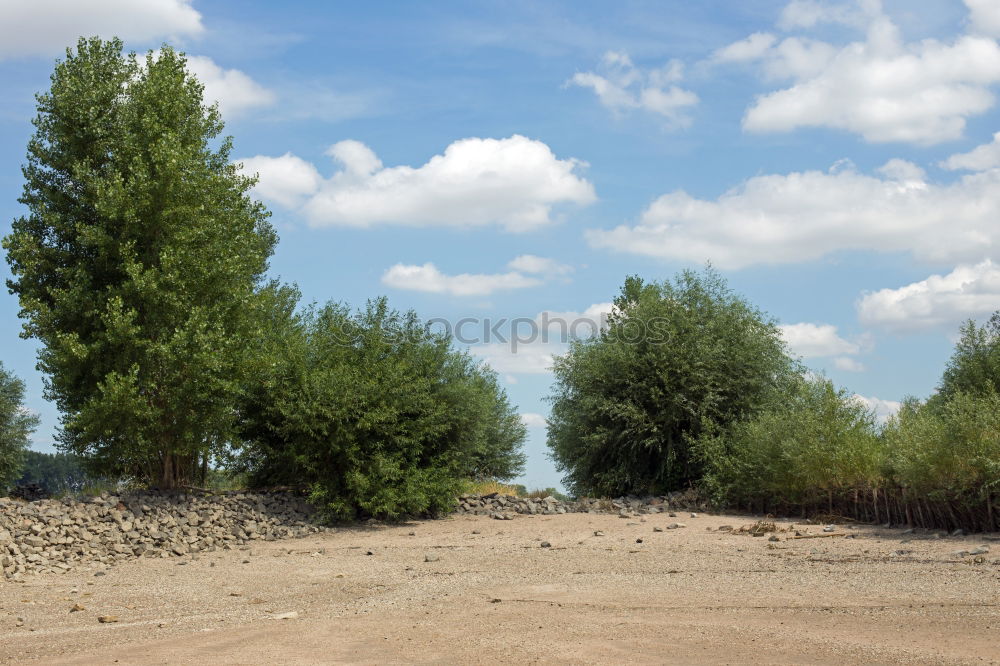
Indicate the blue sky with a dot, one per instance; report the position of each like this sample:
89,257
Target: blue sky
836,161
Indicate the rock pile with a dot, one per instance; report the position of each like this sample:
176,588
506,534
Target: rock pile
503,507
60,535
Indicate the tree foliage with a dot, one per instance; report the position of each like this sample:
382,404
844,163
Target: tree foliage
974,366
815,441
678,359
934,464
378,416
139,263
16,426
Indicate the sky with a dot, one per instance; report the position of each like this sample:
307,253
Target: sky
490,162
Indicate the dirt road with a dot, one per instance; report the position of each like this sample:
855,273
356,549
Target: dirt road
493,594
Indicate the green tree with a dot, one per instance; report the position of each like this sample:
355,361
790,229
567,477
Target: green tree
16,425
974,366
375,414
139,263
677,358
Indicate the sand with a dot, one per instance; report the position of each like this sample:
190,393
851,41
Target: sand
368,595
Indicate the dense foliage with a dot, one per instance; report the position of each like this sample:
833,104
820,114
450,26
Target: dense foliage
374,413
935,464
139,263
678,359
16,425
800,451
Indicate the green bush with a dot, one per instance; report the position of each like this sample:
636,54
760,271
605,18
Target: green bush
374,414
679,360
815,443
949,451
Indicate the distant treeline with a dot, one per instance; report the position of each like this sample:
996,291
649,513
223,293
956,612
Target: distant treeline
56,473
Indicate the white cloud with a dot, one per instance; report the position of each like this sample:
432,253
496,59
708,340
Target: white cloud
287,180
752,48
231,88
527,359
884,409
529,263
530,350
563,326
533,420
812,340
527,270
984,16
980,158
969,291
621,86
848,364
881,88
802,216
47,27
513,182
429,279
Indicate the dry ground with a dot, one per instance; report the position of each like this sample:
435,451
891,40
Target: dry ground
681,596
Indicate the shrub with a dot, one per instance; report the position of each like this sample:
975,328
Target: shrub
810,446
375,415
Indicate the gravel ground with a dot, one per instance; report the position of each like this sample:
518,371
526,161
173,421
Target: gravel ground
474,590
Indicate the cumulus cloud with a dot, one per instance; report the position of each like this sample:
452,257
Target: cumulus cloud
881,88
529,359
514,182
809,340
231,88
529,263
527,270
530,350
969,291
802,216
533,420
567,325
47,27
287,180
621,87
884,409
980,158
428,278
812,340
984,15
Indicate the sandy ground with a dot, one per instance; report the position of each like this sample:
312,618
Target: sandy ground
367,595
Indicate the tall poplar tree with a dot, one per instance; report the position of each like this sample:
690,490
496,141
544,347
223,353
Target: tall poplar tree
139,264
